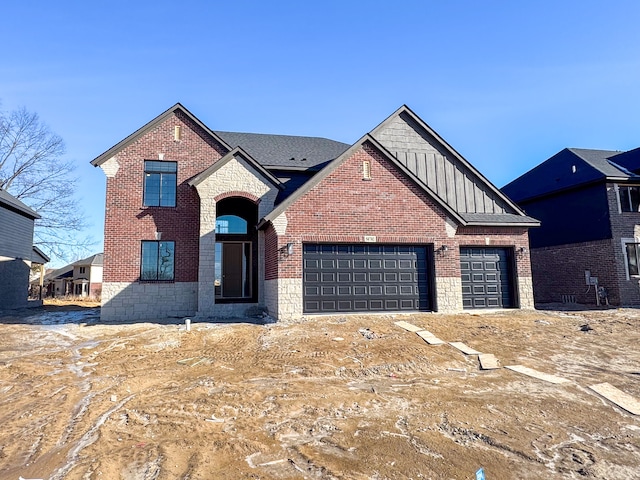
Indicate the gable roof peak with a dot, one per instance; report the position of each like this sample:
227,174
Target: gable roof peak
99,160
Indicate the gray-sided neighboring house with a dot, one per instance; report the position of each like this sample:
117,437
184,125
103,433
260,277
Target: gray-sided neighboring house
82,278
588,245
16,252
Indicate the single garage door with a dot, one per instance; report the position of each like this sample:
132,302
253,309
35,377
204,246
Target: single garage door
487,280
364,278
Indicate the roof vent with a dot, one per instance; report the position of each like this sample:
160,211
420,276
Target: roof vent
366,170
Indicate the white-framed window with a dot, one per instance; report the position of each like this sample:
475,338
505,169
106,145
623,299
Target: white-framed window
631,253
629,198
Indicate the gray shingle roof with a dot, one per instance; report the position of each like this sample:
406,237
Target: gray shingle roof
285,151
95,259
568,168
12,202
502,219
598,159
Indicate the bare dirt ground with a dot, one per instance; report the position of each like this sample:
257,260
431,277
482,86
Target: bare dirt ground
344,397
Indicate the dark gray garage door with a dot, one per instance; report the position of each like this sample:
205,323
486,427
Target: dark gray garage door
487,280
364,278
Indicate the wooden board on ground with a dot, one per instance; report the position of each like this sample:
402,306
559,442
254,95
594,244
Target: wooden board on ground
407,326
429,337
464,348
617,396
536,374
488,361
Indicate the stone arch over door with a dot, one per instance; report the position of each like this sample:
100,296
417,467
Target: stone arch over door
236,262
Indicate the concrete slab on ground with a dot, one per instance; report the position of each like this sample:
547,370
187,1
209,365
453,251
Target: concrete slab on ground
429,337
408,326
467,350
536,374
617,396
488,361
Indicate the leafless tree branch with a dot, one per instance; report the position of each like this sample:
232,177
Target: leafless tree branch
32,169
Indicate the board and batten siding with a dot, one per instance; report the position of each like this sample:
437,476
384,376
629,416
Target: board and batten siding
16,234
448,177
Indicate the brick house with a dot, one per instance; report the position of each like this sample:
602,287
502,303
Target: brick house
588,202
209,223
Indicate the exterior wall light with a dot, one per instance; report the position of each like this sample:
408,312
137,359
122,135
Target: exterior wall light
289,248
442,249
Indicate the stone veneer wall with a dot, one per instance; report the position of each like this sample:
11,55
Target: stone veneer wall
235,178
284,298
449,294
525,292
147,301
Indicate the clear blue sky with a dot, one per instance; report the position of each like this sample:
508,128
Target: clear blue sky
506,83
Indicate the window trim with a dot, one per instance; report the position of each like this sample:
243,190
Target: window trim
148,170
625,242
627,192
142,263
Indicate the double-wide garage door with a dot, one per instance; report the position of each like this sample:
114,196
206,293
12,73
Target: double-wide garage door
365,278
487,280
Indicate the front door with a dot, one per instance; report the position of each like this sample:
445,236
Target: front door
233,270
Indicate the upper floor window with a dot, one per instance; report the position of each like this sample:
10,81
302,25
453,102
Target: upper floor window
83,269
158,259
160,183
231,224
629,199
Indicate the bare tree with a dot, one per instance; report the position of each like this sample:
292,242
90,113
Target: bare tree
32,170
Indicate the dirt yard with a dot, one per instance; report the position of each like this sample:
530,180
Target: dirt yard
344,397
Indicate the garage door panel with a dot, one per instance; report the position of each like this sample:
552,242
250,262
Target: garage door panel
487,277
345,305
360,277
360,290
363,278
391,277
312,290
375,290
328,290
344,277
391,290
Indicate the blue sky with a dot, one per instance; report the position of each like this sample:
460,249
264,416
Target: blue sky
506,83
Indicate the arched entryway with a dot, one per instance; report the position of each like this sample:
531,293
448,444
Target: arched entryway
236,251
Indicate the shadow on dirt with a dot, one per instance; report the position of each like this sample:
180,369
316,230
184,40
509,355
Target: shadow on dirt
90,315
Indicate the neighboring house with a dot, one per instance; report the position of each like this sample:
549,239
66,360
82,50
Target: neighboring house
588,202
16,251
208,223
79,279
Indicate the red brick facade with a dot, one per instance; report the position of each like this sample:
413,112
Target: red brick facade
344,208
364,197
128,222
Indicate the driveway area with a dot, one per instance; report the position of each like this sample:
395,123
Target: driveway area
330,397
